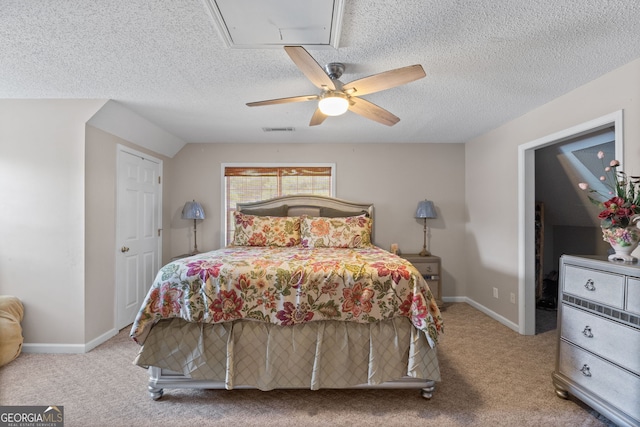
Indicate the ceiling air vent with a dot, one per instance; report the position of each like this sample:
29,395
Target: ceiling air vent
276,23
289,129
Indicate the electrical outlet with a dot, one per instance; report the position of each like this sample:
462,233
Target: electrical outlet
495,292
513,298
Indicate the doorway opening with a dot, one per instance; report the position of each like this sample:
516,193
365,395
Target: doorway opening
531,157
566,222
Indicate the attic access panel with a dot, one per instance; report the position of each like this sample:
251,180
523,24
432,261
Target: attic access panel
276,23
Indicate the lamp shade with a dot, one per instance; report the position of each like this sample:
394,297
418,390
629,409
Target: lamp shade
192,210
426,210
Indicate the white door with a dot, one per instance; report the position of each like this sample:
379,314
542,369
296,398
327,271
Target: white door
138,233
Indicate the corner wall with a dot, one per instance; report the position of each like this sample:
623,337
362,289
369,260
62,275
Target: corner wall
491,183
42,215
100,233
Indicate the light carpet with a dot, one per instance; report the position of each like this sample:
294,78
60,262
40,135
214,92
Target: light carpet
491,376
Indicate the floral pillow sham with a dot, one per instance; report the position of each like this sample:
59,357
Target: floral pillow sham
347,232
252,230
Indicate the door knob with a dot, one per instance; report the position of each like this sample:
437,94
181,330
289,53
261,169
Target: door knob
124,249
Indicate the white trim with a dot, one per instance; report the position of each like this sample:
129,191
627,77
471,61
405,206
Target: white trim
454,299
495,316
100,340
526,208
44,348
137,153
53,348
223,188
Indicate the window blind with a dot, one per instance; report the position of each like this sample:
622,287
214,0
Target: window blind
255,183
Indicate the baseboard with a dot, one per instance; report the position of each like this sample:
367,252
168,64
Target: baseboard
495,316
68,348
454,299
53,348
83,348
99,340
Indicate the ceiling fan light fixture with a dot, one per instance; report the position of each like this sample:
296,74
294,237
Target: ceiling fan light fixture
333,104
336,98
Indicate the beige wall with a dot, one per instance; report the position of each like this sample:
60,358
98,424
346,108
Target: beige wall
100,218
491,183
392,176
42,219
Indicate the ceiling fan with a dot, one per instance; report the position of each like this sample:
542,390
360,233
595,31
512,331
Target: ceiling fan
336,98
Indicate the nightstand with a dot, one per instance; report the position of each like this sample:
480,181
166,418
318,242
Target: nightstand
429,267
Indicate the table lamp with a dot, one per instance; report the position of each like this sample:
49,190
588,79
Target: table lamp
193,210
425,210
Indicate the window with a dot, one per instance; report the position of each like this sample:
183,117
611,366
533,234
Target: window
251,183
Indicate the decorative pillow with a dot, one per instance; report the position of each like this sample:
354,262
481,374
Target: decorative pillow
347,232
252,230
335,213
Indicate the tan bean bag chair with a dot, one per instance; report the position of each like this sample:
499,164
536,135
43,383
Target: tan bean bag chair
11,312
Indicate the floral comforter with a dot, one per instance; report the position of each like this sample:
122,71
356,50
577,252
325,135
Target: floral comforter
288,286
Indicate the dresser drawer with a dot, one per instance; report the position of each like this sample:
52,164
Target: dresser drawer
633,295
615,385
598,286
613,341
427,268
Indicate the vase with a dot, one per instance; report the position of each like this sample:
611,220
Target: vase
623,240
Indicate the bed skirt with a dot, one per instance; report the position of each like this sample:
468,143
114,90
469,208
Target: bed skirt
314,355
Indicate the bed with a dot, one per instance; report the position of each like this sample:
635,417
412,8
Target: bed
302,298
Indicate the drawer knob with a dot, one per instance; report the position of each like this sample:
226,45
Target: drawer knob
587,332
590,285
585,370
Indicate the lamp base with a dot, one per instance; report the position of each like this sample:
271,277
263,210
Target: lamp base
424,252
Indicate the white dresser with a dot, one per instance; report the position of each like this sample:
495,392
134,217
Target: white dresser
598,358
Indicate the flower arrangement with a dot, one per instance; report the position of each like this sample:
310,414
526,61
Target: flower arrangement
622,203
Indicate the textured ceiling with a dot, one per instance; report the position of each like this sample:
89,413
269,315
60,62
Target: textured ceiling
487,62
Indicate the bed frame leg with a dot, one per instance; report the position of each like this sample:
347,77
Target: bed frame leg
155,392
427,392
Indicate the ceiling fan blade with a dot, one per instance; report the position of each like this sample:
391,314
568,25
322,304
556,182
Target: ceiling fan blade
384,80
317,118
310,67
283,100
371,111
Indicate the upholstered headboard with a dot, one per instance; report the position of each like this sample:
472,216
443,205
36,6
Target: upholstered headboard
306,204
